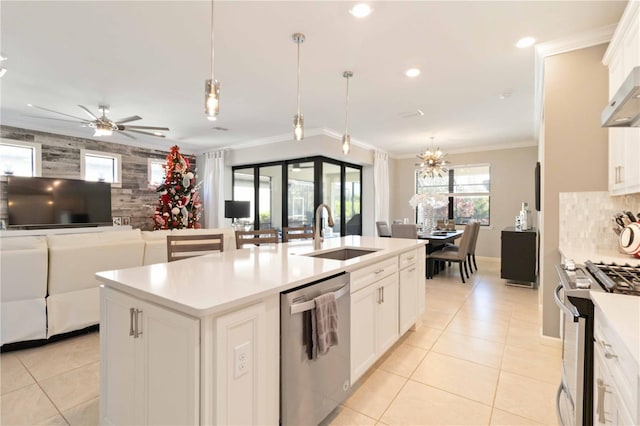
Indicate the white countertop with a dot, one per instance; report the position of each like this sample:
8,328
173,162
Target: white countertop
622,312
580,255
209,284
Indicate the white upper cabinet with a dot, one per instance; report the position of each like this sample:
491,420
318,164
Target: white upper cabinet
621,57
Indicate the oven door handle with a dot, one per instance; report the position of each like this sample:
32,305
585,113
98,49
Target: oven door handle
568,310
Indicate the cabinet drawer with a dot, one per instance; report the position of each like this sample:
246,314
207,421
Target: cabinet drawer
619,362
408,258
370,274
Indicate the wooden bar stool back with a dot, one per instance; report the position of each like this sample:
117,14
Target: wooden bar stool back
185,246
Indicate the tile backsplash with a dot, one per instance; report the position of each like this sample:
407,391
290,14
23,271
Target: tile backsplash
585,218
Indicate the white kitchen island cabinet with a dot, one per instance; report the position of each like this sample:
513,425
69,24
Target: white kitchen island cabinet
150,363
409,291
197,341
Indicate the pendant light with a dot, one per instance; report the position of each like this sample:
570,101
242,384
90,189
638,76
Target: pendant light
212,86
346,138
298,119
433,163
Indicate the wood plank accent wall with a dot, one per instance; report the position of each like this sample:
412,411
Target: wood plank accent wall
61,159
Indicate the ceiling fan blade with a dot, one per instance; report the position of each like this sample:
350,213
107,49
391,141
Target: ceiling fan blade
146,128
144,133
128,119
92,115
126,134
58,119
56,112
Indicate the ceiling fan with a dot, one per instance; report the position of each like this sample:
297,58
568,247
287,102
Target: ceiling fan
104,126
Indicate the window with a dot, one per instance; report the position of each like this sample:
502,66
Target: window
101,167
467,190
155,172
19,158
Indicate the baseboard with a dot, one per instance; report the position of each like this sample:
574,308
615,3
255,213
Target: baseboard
488,259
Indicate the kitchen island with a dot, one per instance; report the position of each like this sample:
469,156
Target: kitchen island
170,333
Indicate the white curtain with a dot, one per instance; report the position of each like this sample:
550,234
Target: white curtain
381,185
213,189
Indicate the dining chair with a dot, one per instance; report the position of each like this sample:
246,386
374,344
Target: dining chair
261,236
185,246
297,233
459,256
471,252
383,228
404,230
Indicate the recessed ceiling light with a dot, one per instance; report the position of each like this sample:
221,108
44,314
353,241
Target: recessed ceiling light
361,10
30,105
412,72
525,42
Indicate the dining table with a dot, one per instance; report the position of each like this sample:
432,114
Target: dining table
438,238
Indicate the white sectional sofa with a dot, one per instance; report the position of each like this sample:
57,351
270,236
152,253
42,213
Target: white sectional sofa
23,289
48,285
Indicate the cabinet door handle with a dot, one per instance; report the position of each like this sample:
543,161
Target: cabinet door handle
607,354
411,258
621,174
378,271
137,333
412,269
379,295
131,314
382,294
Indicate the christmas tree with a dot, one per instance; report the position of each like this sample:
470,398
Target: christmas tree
179,204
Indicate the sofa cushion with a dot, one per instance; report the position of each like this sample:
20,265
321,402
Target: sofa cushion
23,268
23,320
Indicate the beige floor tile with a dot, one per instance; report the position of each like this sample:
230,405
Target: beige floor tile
403,360
527,397
85,414
463,378
436,319
54,421
541,364
376,393
74,387
26,406
349,417
424,337
481,351
419,404
13,375
484,313
476,328
56,358
502,418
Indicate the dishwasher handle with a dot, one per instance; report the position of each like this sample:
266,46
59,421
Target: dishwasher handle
296,308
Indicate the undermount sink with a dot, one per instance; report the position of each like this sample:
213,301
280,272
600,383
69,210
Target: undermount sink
345,253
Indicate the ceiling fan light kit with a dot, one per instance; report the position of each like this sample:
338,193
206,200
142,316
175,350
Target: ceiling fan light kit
212,86
298,119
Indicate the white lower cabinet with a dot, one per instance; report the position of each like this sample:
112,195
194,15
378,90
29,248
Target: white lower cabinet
409,296
150,363
374,323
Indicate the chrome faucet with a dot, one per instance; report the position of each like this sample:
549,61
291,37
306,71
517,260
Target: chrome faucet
318,235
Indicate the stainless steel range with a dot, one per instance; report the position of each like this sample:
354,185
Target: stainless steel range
572,295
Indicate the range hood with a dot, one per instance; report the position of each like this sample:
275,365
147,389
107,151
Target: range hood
624,108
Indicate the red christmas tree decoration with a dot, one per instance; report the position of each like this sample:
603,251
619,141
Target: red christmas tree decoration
179,204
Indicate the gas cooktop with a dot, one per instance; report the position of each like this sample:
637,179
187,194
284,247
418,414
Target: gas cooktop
622,279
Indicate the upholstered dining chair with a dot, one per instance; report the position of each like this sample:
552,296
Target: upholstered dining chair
185,246
471,254
383,228
404,231
297,233
261,236
459,256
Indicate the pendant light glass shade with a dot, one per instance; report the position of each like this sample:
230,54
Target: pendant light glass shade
346,138
298,119
211,98
298,127
212,86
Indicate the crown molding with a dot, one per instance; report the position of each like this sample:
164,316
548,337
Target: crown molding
628,19
465,150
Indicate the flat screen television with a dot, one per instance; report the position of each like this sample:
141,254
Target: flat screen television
36,202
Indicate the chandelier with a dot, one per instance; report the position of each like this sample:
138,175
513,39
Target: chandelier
433,163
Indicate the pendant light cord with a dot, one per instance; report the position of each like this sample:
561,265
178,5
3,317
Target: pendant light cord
298,86
346,114
212,45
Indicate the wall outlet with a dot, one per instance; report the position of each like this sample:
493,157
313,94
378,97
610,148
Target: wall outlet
241,360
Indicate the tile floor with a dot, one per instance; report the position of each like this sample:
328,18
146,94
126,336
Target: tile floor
476,359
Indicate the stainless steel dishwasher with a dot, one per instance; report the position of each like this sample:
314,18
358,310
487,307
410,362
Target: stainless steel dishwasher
311,388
